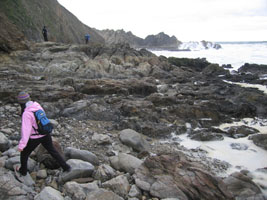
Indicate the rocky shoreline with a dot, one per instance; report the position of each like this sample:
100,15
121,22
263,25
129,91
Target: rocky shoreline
111,106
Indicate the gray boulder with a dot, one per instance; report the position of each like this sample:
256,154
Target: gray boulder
43,156
49,193
101,139
72,153
74,108
133,139
259,140
125,162
104,172
206,135
16,160
135,192
79,169
4,142
11,152
79,191
10,188
242,187
241,131
119,185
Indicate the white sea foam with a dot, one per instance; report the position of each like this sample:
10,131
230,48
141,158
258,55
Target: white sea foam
251,159
234,54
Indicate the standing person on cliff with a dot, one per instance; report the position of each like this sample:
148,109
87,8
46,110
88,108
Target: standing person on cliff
87,37
30,138
45,34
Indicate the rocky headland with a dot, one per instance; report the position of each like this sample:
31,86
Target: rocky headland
22,21
111,106
160,41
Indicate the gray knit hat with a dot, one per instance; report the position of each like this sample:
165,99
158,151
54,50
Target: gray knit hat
23,97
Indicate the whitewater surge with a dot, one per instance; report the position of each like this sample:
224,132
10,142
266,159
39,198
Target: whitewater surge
250,157
236,54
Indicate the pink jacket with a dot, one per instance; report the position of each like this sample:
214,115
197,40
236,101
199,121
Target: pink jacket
28,122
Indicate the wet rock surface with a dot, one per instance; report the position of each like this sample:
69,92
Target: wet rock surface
111,107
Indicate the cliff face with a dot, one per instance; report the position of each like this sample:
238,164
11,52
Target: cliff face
159,41
10,37
29,16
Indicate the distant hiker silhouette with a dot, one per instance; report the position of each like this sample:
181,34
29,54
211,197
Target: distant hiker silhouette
45,34
87,37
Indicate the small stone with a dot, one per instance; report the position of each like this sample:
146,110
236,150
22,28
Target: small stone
42,174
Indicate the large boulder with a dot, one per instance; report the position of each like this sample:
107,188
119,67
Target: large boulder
253,68
241,131
125,162
4,142
16,160
49,193
72,153
206,135
104,172
242,187
44,157
79,169
79,191
260,140
133,139
119,185
171,176
10,188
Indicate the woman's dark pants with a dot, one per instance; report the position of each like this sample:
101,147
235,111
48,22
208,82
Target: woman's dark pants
46,141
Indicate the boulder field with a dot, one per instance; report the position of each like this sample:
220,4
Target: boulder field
110,106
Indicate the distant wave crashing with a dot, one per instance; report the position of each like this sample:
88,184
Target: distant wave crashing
198,45
234,53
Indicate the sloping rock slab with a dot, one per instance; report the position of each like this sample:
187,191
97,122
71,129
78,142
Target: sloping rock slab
171,176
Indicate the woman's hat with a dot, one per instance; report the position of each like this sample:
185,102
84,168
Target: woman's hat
23,97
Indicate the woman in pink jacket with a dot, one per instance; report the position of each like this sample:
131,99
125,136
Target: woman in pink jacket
30,139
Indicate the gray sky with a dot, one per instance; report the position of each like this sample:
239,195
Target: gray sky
188,20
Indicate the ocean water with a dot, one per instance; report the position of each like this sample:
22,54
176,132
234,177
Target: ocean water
251,159
234,53
254,157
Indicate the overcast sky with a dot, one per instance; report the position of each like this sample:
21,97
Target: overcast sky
188,20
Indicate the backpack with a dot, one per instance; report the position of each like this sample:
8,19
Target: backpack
43,123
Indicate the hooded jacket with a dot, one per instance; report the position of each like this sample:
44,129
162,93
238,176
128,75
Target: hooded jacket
28,122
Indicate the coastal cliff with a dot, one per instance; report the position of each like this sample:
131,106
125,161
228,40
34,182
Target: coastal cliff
29,17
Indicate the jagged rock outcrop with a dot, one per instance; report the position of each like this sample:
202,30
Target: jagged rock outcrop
171,176
159,41
120,36
29,17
